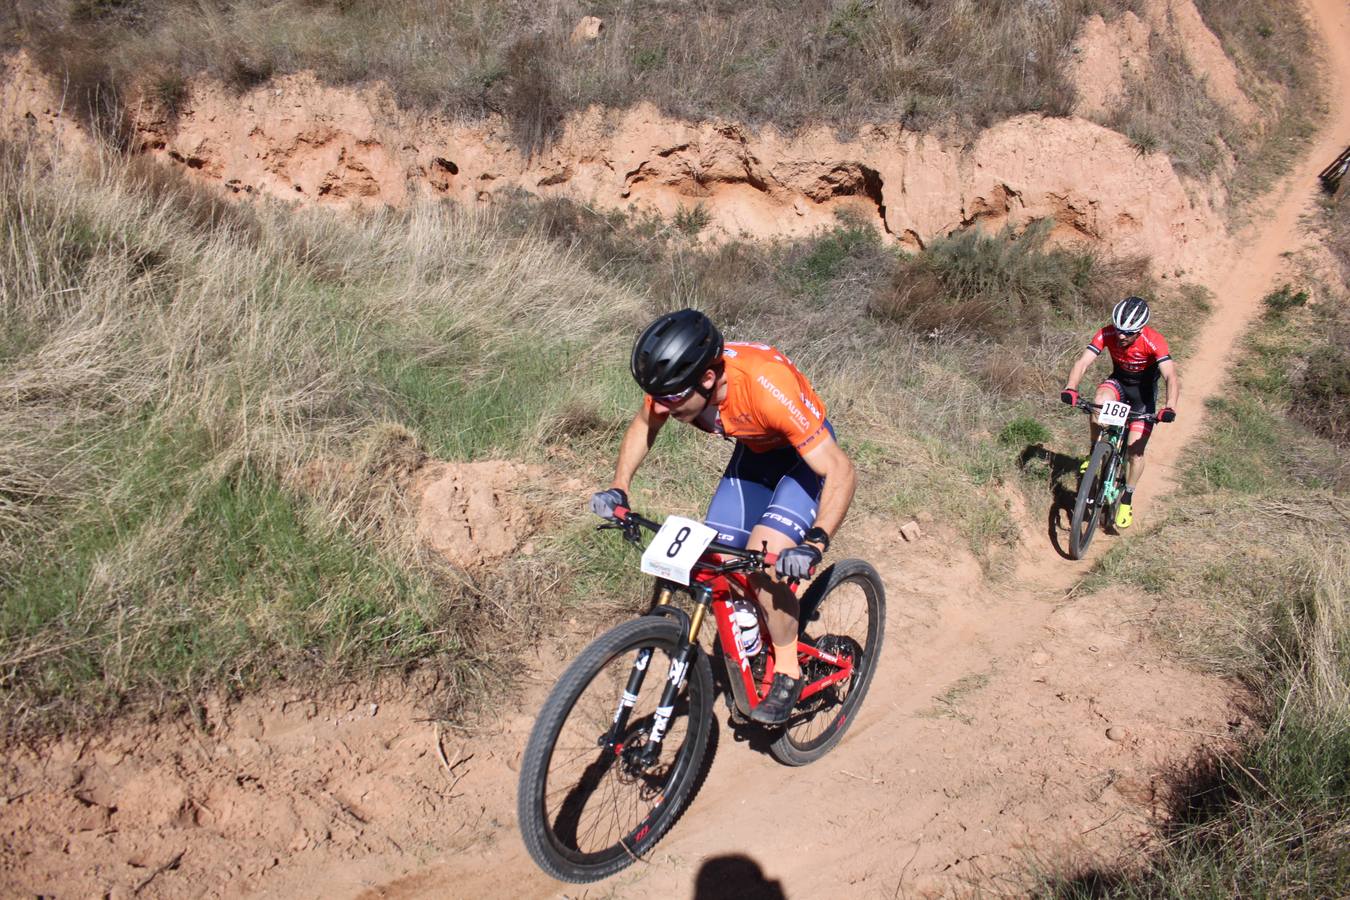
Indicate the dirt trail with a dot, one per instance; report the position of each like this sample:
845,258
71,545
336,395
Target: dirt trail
981,748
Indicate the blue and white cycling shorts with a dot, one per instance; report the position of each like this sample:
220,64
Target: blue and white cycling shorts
776,489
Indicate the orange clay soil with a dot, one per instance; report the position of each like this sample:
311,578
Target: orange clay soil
982,747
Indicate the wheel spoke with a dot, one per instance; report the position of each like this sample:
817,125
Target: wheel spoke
592,797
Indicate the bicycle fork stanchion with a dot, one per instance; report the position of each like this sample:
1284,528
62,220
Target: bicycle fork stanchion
665,709
610,740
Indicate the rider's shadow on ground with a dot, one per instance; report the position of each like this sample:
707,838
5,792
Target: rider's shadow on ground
1062,473
735,876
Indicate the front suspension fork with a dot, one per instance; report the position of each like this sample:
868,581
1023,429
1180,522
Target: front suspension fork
679,665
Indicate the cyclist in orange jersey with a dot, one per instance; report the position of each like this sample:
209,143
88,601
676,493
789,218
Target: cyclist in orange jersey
788,484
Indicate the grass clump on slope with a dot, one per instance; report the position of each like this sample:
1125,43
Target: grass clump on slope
211,413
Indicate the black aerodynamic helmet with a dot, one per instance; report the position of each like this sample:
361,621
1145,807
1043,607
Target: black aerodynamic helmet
1130,315
673,352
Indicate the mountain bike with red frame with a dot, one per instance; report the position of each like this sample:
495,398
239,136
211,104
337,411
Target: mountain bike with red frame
619,744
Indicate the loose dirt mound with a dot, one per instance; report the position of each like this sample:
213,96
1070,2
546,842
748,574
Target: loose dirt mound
276,786
1108,55
471,513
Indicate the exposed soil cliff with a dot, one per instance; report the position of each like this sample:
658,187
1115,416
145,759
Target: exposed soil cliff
302,141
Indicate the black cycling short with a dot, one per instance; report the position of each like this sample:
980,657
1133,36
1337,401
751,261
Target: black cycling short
1141,394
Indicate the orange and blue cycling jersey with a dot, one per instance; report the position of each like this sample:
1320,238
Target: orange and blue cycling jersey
774,415
769,404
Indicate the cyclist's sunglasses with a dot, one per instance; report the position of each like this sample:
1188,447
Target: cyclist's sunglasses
673,399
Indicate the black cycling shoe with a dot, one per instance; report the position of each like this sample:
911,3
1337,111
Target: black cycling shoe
784,692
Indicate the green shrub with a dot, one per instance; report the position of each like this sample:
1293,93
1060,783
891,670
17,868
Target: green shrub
692,220
1282,299
1023,432
993,284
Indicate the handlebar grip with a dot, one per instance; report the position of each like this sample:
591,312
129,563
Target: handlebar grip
621,512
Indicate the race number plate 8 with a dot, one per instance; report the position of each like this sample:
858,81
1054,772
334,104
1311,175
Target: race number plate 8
675,549
1113,412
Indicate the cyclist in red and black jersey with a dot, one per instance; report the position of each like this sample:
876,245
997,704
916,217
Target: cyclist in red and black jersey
1139,355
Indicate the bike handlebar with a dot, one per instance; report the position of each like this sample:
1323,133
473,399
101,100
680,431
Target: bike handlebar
748,560
1088,406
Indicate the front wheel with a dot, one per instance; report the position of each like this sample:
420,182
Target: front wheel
843,612
1087,509
590,803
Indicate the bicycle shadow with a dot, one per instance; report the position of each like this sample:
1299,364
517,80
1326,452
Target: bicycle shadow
735,877
1062,495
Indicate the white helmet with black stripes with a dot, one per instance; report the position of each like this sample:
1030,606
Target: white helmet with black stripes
1130,315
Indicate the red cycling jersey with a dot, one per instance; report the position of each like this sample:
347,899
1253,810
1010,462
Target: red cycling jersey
1137,362
769,404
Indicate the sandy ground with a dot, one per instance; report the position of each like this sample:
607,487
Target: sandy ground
981,749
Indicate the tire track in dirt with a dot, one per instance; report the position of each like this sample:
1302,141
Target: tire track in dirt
924,796
980,749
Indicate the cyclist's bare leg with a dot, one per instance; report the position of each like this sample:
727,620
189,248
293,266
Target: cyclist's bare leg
1134,457
1094,430
779,603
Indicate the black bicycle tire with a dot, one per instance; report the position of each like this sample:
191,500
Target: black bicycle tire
784,748
536,831
1087,486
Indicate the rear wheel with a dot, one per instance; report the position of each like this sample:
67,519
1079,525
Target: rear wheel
843,613
588,809
1087,509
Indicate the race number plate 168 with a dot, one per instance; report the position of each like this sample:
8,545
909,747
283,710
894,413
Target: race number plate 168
1113,412
675,549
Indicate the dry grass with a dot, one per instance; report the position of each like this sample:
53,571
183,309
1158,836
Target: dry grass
167,364
842,62
1168,110
1253,574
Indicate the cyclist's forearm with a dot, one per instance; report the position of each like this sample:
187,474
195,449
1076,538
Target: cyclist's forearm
835,497
1076,374
1173,389
637,440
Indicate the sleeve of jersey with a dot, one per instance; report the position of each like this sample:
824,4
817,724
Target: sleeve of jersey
1161,349
1098,342
784,410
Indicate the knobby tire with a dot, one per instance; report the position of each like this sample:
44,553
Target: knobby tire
553,838
844,609
1087,508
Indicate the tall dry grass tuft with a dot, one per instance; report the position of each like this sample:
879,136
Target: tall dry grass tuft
168,364
844,62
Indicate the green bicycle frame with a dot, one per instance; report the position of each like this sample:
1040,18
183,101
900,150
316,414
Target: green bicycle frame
1111,488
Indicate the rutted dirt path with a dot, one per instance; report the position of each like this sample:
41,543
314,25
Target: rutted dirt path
982,745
